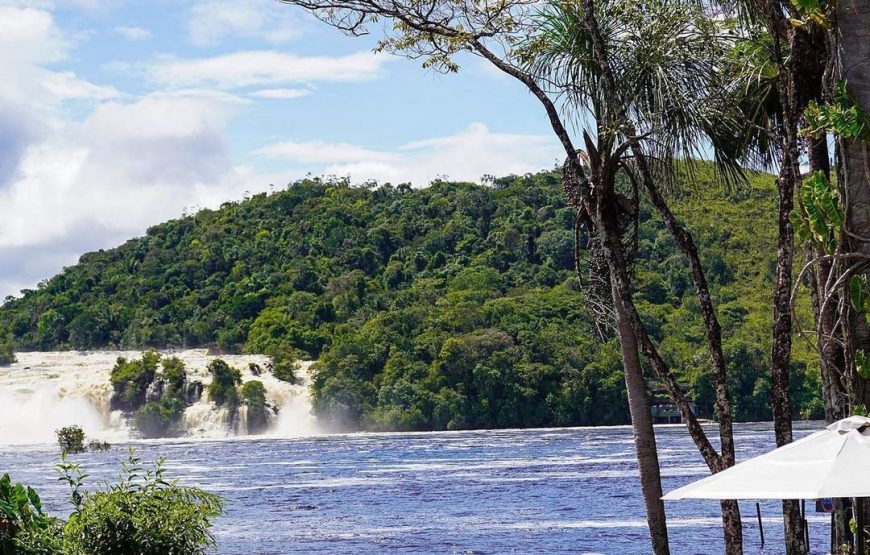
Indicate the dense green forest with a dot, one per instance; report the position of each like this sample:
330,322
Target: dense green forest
453,306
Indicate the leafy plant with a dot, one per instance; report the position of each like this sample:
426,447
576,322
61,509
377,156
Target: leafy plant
811,11
130,380
222,390
842,117
7,350
284,364
24,527
71,439
254,395
858,293
823,215
143,514
97,445
862,364
174,374
159,418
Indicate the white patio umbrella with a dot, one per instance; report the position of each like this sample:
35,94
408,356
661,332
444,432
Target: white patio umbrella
834,462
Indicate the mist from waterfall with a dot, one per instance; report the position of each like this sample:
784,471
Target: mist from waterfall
44,391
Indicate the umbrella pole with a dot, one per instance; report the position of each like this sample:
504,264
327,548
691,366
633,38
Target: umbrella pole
859,521
805,524
760,525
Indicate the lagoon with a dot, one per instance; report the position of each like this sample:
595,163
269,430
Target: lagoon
565,490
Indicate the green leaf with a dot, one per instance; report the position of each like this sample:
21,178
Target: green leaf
856,292
806,5
861,364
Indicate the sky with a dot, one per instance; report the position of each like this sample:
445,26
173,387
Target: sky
116,115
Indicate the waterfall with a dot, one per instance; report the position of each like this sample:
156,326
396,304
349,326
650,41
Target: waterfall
44,391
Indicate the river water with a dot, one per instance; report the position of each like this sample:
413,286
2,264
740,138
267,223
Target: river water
513,491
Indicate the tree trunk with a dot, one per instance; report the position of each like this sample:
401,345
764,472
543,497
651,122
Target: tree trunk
732,526
782,329
789,59
576,181
644,434
781,352
853,49
853,18
606,221
607,218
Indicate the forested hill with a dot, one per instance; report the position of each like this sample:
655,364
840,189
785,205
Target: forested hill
448,307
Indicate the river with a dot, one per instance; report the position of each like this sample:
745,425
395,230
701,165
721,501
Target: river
511,491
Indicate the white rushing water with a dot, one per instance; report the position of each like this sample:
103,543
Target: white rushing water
42,392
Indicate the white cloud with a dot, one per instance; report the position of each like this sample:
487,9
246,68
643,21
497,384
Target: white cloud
128,166
281,94
18,130
212,21
124,168
264,67
467,155
66,85
130,32
75,177
89,5
30,40
204,94
29,36
74,181
318,152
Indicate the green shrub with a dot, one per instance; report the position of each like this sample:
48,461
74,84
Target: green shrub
97,445
144,514
24,527
141,515
159,418
71,439
222,389
175,376
254,396
284,365
130,380
7,351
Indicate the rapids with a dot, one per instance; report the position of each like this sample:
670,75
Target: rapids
551,491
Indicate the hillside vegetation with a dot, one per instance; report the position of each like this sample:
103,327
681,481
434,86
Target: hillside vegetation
454,306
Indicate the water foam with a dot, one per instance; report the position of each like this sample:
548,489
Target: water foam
45,391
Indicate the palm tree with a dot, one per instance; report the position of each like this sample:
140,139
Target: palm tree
436,30
646,77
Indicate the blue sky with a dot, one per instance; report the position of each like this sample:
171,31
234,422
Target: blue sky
117,114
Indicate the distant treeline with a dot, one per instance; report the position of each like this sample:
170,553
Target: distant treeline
453,306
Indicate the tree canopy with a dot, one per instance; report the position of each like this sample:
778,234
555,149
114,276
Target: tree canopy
451,306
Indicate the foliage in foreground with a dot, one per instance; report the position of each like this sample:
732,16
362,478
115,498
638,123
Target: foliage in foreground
143,514
21,514
454,306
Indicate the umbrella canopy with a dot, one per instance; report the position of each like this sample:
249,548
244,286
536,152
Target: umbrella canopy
834,462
